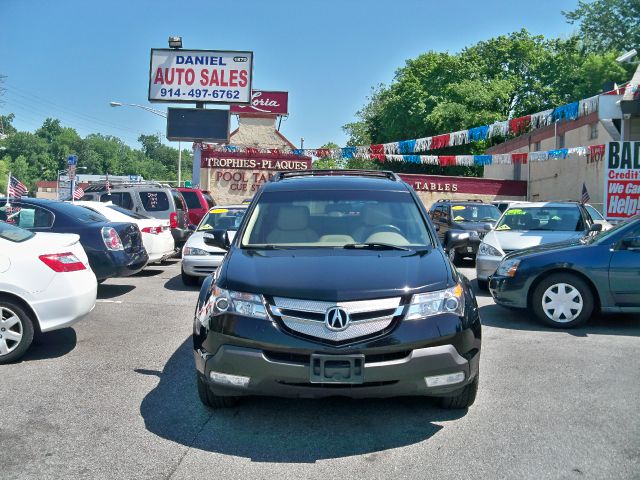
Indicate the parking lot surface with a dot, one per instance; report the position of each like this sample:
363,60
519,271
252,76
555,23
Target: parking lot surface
114,397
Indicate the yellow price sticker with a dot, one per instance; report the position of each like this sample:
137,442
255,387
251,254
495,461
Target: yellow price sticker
458,219
515,211
504,227
218,210
458,207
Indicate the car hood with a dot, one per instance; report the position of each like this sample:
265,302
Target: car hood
517,240
335,274
548,247
196,240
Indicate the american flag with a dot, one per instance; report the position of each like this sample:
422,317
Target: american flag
16,188
78,193
585,194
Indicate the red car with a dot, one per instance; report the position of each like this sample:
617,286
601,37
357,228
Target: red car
198,202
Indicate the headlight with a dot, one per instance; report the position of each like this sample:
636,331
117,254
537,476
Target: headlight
486,249
450,300
508,268
224,301
461,236
473,234
188,251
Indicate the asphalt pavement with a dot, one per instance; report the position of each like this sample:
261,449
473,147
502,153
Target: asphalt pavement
114,397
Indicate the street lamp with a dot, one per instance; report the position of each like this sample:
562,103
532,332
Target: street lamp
175,42
160,114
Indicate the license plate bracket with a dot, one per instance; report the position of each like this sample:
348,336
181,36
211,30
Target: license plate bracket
347,369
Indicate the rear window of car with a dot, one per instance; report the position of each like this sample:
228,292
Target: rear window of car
154,201
13,233
78,213
192,199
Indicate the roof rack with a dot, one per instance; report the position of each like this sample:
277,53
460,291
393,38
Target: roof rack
102,185
457,200
334,172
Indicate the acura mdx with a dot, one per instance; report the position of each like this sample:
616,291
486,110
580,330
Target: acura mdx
336,284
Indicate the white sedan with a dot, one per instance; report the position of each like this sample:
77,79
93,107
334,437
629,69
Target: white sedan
46,284
200,259
156,233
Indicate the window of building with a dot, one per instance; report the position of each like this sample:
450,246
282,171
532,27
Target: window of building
536,147
561,140
593,131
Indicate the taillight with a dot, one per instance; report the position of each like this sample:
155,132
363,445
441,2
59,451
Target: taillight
152,230
111,238
173,220
63,262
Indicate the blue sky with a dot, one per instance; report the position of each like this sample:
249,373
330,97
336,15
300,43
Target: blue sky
69,58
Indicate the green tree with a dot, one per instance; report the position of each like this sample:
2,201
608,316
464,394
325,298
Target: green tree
607,25
6,122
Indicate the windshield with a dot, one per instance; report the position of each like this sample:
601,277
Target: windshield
595,214
475,213
318,218
222,219
557,219
13,233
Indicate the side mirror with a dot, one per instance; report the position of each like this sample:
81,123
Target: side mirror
632,244
488,226
217,238
596,227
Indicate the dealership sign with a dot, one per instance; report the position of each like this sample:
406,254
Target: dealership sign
622,180
262,102
209,76
478,186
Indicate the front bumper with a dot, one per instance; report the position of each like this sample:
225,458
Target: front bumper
277,377
279,364
469,248
486,266
508,291
201,265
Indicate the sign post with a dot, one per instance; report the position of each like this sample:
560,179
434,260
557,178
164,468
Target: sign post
622,181
72,162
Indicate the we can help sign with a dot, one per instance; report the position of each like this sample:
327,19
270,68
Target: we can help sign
191,76
622,180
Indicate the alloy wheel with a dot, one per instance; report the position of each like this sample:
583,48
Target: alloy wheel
562,302
11,330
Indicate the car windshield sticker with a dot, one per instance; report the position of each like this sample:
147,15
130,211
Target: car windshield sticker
503,227
515,211
458,207
206,226
458,218
218,210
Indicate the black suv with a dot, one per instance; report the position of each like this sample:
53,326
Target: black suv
335,284
462,224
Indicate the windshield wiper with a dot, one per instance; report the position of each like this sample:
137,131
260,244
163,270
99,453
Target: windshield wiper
376,246
267,246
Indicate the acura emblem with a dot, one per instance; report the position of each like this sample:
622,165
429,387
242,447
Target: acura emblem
336,319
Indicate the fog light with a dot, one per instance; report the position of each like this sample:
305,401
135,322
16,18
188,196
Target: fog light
442,380
226,379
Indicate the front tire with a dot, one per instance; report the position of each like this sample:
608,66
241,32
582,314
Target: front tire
16,331
187,279
464,398
563,300
210,399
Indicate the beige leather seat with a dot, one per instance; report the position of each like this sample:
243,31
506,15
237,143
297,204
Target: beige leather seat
292,226
372,216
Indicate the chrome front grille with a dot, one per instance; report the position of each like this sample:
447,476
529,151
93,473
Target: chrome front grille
308,316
